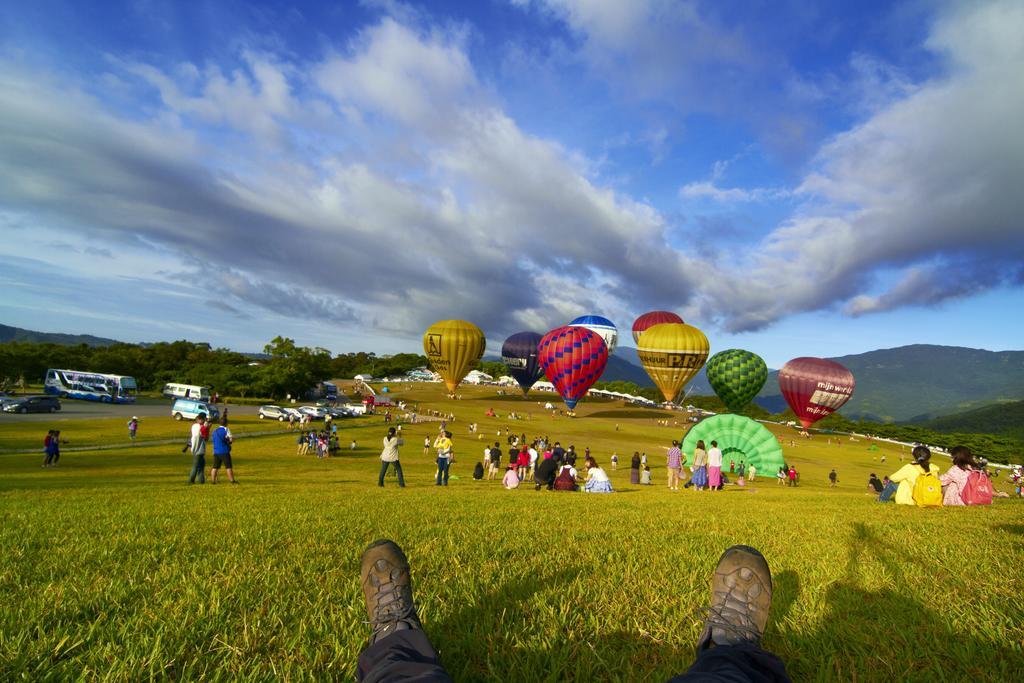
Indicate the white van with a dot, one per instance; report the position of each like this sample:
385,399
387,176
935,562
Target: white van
189,409
186,391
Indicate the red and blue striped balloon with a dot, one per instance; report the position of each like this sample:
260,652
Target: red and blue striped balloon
573,359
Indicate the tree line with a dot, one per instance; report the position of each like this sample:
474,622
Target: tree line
283,369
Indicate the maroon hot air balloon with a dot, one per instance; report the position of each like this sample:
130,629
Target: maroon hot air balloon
815,387
651,319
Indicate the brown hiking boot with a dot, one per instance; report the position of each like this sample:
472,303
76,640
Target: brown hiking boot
741,593
387,586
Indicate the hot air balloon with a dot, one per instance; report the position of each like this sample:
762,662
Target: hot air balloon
672,353
519,353
453,347
736,376
738,437
652,318
815,387
601,326
573,359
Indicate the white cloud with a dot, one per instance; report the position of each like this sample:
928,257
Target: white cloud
932,177
413,197
397,72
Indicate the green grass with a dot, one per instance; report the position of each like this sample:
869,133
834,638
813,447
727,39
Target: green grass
113,568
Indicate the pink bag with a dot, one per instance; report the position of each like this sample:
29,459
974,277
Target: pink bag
977,490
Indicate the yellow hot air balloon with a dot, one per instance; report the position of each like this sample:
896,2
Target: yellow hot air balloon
672,353
453,347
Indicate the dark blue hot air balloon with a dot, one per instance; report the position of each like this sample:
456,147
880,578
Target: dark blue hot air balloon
519,353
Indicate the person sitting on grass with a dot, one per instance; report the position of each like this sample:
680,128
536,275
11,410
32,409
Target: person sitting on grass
955,478
645,476
901,483
727,649
566,479
511,478
546,472
874,484
597,478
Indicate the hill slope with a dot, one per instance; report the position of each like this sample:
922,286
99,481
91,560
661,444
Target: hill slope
1005,419
9,334
923,381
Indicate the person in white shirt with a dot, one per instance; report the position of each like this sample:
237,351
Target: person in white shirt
597,478
533,462
715,467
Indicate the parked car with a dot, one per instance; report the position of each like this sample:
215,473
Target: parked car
340,411
293,411
316,412
32,404
273,413
190,408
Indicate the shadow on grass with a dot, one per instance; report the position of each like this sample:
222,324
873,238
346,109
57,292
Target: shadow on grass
884,634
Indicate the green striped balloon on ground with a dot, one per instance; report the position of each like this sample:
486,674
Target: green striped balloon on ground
736,376
739,438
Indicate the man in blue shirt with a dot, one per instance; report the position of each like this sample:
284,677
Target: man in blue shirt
221,438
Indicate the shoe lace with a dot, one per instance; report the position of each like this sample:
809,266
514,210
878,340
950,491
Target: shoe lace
392,611
736,621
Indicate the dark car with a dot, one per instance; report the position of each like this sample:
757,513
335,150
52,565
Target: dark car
32,404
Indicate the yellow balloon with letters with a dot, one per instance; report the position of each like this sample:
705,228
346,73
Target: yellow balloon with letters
672,353
453,347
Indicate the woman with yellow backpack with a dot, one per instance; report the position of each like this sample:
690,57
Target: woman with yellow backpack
918,481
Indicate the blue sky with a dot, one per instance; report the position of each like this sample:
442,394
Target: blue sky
794,179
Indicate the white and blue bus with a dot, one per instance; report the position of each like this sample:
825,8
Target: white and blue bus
91,386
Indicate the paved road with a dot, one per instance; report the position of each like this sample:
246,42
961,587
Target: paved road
84,410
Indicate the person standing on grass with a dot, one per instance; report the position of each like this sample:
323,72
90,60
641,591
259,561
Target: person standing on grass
634,468
389,457
715,467
133,428
832,478
534,455
495,461
55,448
222,440
522,461
673,463
751,472
780,476
445,455
300,444
200,433
700,467
792,475
48,449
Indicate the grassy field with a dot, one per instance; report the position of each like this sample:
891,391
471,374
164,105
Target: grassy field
113,568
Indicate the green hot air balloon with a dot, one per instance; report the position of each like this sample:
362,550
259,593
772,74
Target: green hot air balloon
740,438
736,376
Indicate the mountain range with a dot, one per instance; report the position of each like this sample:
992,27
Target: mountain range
17,334
909,383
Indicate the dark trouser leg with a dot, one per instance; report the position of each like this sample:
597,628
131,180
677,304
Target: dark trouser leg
198,468
401,656
401,477
888,492
383,471
442,470
735,664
